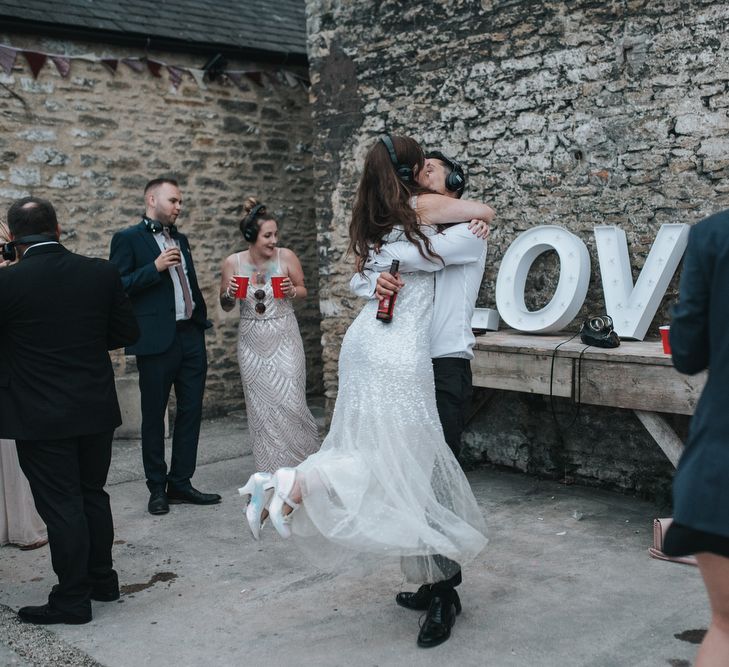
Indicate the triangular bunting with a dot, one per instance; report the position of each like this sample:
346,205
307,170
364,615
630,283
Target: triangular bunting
155,67
135,64
36,61
175,75
110,63
291,80
198,75
7,58
237,79
63,65
256,77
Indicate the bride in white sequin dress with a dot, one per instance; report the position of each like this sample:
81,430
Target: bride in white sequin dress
384,484
270,350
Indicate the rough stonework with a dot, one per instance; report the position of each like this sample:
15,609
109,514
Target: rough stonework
576,114
91,141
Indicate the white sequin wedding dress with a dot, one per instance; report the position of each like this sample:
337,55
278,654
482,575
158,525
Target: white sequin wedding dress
384,483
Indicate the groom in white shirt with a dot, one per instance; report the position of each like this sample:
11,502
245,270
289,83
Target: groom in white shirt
463,251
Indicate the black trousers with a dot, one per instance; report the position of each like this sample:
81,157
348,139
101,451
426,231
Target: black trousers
453,393
67,479
184,365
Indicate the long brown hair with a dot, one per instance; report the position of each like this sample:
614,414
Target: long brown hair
383,199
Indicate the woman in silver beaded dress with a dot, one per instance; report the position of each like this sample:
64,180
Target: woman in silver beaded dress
270,351
385,484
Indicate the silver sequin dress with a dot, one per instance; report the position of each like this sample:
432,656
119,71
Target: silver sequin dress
384,483
273,372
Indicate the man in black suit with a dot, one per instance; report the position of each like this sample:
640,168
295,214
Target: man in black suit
60,313
159,276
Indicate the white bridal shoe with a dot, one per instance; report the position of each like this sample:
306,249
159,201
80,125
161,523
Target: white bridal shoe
259,488
283,481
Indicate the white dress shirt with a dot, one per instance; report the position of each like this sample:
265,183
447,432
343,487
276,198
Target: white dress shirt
179,298
456,285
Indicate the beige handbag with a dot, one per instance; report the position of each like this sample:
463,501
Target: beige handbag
660,526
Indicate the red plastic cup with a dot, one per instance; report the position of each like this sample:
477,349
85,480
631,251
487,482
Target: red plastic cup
277,284
242,282
664,338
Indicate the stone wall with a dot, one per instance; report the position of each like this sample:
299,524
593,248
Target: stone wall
91,141
572,113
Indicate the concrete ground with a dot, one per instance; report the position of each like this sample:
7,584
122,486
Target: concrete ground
565,580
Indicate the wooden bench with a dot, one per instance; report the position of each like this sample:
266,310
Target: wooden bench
637,376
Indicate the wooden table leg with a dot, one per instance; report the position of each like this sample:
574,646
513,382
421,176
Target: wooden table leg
662,433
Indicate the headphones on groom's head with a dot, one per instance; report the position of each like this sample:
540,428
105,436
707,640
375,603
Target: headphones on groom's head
456,180
249,225
403,171
8,251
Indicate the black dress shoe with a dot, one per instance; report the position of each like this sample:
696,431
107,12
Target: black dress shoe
158,502
104,595
420,600
47,615
439,619
192,496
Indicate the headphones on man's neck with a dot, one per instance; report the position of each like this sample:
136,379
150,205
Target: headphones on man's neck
249,226
403,171
9,252
456,180
155,226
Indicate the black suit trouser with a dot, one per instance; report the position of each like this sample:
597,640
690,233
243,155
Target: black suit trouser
184,365
453,393
67,479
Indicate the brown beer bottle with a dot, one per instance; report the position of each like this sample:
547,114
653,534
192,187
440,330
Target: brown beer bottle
387,305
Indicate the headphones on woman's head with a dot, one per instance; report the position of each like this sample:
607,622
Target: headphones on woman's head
403,171
249,226
456,180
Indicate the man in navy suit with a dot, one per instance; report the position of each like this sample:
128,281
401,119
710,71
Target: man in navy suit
159,276
60,313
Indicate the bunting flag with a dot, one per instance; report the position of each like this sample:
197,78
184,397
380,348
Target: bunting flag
258,77
237,79
110,63
63,65
155,66
134,63
175,75
7,58
290,79
199,76
35,60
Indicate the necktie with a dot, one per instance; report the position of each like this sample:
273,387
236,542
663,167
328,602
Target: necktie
181,275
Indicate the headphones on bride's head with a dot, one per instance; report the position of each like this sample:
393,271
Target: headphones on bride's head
249,225
403,171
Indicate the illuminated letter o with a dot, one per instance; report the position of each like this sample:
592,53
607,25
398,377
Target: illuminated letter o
574,278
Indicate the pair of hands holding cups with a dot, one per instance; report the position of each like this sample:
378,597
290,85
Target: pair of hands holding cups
282,287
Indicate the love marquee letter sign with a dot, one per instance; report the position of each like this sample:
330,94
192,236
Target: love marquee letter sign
632,307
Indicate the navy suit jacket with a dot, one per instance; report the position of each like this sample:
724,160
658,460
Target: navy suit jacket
699,340
60,313
152,293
